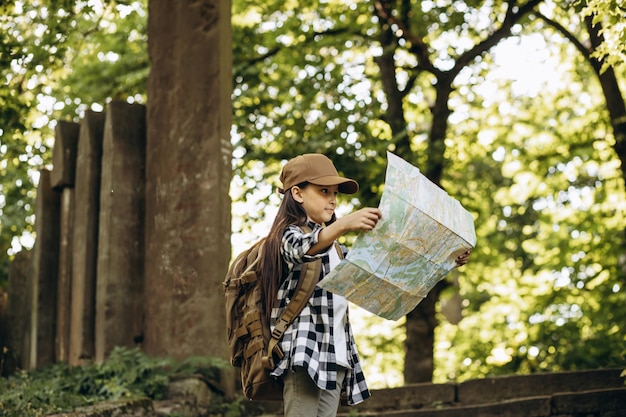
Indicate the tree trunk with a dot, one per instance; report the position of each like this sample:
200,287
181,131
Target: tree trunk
420,339
614,103
394,116
612,94
421,322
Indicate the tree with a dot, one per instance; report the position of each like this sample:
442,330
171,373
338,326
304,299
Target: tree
406,20
419,50
593,50
58,59
26,60
608,17
555,275
356,79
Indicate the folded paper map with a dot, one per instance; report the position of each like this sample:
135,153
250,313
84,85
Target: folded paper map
390,269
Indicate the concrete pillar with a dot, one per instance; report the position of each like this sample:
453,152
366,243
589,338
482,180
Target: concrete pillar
188,177
119,290
64,155
44,278
18,314
64,286
85,239
62,178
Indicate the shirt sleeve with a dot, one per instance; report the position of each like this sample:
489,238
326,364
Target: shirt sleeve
296,243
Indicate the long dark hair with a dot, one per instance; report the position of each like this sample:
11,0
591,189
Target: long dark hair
271,268
290,212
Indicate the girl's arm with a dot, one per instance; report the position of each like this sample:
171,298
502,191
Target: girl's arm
361,220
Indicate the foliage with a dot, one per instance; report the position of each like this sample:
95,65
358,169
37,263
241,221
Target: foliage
311,90
536,166
611,14
128,373
380,346
544,289
57,59
553,239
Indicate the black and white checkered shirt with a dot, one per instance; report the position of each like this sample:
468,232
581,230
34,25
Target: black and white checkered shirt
308,342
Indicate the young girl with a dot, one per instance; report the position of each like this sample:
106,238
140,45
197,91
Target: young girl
320,359
320,356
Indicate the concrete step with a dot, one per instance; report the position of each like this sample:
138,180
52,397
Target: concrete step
488,390
595,403
597,393
607,403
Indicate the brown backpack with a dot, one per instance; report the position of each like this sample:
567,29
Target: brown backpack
252,347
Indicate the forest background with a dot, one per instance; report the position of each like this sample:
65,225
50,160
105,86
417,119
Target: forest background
514,108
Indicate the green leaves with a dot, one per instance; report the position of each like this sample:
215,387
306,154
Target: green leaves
611,15
545,291
128,373
535,163
58,59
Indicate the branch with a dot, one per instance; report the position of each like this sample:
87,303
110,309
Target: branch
263,57
513,15
568,35
278,48
418,47
409,85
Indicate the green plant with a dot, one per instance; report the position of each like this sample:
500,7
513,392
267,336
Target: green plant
128,373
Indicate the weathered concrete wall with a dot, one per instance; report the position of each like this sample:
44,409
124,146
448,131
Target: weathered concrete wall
119,288
188,177
85,239
42,288
62,179
18,315
143,206
514,386
64,154
64,286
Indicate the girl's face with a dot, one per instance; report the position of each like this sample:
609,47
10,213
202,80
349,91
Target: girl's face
319,201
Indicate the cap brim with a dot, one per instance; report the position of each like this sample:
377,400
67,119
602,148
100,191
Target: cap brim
346,185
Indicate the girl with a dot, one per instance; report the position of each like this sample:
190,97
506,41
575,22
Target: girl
320,359
320,356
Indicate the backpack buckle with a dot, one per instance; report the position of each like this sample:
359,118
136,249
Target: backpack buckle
279,329
268,362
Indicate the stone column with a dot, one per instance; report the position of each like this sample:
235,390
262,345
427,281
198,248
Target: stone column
44,279
62,179
188,177
65,276
119,289
85,240
18,314
64,155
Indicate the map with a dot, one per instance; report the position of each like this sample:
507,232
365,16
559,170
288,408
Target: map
391,269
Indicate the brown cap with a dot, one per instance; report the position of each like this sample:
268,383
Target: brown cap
316,169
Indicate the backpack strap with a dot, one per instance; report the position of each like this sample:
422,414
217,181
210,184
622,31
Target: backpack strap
339,250
309,276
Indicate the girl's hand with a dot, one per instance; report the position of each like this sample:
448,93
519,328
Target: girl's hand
361,220
463,258
364,219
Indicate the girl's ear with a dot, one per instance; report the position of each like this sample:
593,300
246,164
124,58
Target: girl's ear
296,193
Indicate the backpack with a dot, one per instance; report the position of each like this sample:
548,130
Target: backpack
252,347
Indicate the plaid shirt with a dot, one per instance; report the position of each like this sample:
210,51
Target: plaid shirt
308,341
